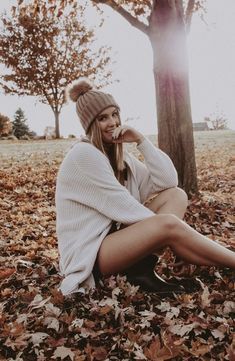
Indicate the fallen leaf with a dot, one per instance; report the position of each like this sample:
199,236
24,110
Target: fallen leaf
205,297
7,272
38,337
62,352
183,330
218,334
38,301
52,322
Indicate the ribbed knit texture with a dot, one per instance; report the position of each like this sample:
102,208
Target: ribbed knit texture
91,104
89,198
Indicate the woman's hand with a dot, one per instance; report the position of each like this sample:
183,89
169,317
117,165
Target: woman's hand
126,134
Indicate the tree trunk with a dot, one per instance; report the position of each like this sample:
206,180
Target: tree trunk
175,133
57,124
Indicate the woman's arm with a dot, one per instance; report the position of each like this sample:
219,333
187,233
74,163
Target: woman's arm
89,179
158,172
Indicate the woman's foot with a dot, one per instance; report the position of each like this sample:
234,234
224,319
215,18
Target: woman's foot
151,282
142,274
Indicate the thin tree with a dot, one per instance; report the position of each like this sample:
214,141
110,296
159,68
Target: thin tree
45,49
217,122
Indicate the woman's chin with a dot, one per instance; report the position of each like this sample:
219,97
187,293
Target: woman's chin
108,140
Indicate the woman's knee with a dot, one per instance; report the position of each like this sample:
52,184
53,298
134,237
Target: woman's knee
171,200
167,226
179,198
180,195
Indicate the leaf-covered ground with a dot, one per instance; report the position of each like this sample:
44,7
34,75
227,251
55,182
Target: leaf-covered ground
116,321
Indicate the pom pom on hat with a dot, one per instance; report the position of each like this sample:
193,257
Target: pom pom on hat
78,88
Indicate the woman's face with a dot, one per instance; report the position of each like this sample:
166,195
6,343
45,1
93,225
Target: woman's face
108,121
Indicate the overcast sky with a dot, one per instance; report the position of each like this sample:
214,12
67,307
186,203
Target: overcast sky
211,50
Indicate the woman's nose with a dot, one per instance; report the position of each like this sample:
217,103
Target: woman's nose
112,120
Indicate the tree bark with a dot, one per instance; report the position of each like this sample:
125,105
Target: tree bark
57,124
175,133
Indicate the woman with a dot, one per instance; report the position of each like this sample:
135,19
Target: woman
103,224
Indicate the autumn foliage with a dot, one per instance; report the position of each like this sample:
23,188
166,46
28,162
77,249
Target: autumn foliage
5,125
45,49
116,321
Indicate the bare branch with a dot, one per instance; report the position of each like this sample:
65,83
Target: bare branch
189,14
131,19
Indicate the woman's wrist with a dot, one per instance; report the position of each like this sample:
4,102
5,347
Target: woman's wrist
140,139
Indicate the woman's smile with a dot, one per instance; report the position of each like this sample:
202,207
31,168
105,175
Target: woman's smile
108,121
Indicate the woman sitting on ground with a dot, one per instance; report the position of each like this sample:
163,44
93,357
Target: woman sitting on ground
105,223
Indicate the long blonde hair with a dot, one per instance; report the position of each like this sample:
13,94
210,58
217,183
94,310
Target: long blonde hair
114,153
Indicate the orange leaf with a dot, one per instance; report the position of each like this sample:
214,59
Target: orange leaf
7,272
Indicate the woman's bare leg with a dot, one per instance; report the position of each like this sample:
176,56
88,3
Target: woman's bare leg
170,201
175,201
123,248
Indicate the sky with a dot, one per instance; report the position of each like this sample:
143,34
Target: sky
211,53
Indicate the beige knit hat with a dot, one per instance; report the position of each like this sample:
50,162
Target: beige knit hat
89,102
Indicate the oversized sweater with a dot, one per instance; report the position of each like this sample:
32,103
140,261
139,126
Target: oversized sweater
89,198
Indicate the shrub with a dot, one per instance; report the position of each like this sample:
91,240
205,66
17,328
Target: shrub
5,125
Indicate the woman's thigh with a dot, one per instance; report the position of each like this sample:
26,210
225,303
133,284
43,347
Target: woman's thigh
121,249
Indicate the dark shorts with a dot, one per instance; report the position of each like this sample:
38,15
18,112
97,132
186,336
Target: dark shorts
96,271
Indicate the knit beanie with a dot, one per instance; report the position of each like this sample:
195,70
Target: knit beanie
89,101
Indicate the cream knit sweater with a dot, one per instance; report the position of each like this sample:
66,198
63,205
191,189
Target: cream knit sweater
89,198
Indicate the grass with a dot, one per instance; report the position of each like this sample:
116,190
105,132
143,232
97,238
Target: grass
23,151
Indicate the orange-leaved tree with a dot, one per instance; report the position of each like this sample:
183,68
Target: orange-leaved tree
5,125
44,49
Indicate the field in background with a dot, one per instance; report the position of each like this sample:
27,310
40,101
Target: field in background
48,150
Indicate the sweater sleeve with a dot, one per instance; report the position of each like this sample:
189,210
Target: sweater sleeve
96,186
157,173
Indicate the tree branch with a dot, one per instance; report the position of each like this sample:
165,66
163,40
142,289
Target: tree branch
131,19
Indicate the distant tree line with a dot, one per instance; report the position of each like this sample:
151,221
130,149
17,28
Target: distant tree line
18,128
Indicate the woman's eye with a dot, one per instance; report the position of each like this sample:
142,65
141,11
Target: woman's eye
115,114
102,119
